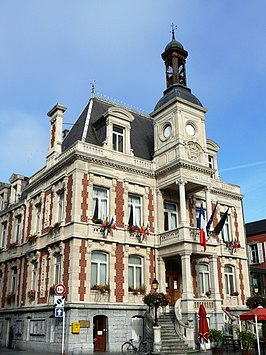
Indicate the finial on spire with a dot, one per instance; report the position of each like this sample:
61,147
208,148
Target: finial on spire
92,87
174,27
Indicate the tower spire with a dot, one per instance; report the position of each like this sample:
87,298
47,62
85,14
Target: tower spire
174,27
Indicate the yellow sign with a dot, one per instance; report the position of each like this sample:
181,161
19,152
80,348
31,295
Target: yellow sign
75,327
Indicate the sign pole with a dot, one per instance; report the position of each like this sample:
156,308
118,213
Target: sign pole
63,333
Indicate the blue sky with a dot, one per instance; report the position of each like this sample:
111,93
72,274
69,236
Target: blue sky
52,50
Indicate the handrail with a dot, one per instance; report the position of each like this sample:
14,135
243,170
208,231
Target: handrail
185,331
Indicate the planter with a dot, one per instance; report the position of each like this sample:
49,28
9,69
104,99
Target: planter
248,352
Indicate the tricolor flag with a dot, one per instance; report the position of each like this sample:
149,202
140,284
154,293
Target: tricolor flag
147,229
113,224
202,227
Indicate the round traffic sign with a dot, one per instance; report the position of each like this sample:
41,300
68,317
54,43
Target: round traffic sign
59,289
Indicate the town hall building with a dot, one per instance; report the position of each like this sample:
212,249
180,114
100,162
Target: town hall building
114,208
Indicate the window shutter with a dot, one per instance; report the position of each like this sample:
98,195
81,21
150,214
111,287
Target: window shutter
261,259
249,255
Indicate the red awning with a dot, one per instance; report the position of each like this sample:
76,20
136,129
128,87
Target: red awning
260,312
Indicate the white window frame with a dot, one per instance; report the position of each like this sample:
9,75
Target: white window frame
34,275
14,280
137,272
18,229
135,204
226,231
100,197
38,217
229,277
255,253
169,214
4,234
100,265
61,205
204,278
57,268
118,138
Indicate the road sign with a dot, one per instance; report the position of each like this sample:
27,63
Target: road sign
59,312
59,301
59,289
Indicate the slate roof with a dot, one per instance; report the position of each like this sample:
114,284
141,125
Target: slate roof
141,136
177,90
257,227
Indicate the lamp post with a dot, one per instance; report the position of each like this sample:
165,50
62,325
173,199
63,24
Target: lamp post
256,290
155,285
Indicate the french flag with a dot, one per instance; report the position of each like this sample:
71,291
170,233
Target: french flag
202,227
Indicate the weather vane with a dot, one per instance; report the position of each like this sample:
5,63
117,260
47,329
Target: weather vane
92,87
174,27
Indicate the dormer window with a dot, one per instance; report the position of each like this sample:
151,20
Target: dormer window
118,138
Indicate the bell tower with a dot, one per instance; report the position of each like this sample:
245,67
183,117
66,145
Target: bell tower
174,58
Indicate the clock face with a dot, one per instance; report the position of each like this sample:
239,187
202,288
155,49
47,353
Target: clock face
167,131
190,130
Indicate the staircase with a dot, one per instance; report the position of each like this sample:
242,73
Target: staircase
171,342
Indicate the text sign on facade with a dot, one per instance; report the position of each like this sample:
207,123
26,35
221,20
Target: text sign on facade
59,301
58,312
59,289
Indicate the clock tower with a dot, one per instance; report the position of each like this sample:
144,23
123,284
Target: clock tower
179,117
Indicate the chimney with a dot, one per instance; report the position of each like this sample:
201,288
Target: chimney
65,133
56,115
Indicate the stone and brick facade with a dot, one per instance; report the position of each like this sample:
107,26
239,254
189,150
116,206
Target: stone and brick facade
114,207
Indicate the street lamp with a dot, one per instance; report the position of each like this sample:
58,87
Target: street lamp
155,285
256,289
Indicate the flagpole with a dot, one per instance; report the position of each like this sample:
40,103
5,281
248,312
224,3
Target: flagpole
257,334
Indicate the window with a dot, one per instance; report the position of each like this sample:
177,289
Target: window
14,280
229,279
34,276
38,217
98,268
118,138
135,271
57,273
255,253
170,216
137,327
19,327
226,229
204,276
210,161
4,232
134,210
61,204
37,327
18,229
100,200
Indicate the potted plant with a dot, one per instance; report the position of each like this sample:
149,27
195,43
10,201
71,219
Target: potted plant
31,295
247,339
216,339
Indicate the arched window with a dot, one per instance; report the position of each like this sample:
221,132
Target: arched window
229,275
204,276
135,272
137,327
99,270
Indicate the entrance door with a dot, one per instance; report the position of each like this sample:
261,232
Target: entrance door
173,277
99,333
